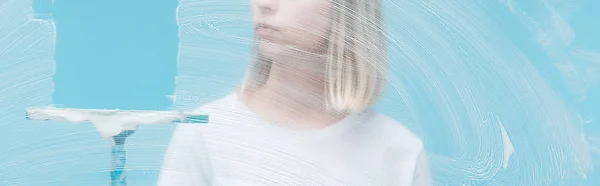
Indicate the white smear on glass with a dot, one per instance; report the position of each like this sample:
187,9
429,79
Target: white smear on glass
451,68
548,21
454,67
26,67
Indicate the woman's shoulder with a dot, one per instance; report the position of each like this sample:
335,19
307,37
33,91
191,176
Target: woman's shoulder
224,103
404,151
215,109
226,111
394,133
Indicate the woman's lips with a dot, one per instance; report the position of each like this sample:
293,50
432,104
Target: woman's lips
265,30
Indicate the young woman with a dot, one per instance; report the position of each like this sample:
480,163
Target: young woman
303,113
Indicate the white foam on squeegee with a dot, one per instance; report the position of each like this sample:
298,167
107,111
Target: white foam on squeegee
109,122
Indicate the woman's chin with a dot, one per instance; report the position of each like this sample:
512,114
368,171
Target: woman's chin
271,50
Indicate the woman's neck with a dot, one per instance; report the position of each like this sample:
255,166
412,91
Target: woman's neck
294,90
297,78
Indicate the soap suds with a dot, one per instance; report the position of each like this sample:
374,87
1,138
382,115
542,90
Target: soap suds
110,122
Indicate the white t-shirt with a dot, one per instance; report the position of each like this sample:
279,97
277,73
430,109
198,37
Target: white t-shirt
236,147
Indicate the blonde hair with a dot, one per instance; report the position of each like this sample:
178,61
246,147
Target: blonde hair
356,57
